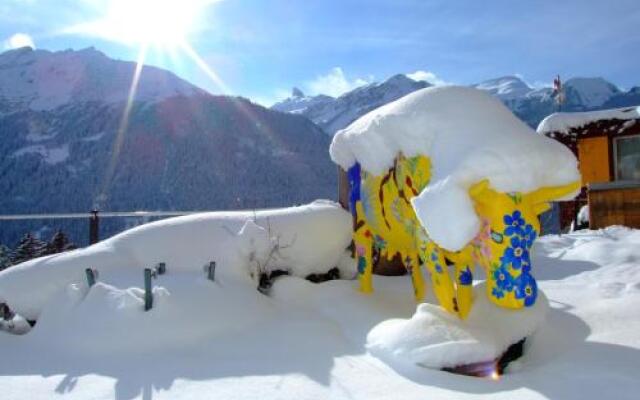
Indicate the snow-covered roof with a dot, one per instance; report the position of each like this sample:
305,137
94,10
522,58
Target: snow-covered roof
469,136
563,122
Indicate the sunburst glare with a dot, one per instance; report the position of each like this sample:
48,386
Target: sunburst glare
158,23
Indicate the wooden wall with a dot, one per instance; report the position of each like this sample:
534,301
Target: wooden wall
614,206
593,159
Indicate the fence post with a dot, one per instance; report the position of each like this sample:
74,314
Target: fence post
148,296
91,277
576,206
94,227
211,271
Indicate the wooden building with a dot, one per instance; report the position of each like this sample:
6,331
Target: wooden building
607,144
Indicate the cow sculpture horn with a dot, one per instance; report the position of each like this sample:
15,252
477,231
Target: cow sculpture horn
547,194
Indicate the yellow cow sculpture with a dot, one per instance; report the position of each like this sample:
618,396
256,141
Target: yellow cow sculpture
385,224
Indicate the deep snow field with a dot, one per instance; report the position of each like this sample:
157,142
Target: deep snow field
226,340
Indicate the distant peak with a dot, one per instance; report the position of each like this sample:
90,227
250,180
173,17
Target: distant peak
507,79
510,78
598,81
18,50
399,78
295,92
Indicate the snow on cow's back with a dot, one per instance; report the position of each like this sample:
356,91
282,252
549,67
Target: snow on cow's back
453,126
469,136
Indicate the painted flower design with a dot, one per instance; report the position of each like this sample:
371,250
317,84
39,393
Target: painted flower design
379,243
529,236
514,224
434,258
362,262
517,255
481,241
466,277
497,293
503,279
526,288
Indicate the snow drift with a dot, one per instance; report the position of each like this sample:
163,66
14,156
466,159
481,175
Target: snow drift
311,238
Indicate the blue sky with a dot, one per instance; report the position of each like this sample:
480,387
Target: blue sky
261,48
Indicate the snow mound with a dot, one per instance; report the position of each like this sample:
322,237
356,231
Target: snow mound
187,309
469,136
434,338
564,122
309,239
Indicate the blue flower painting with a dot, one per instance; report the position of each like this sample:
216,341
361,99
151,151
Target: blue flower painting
517,255
529,236
514,224
466,277
497,293
526,288
503,278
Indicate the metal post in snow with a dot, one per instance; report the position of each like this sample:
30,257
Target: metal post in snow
211,271
91,276
148,296
94,227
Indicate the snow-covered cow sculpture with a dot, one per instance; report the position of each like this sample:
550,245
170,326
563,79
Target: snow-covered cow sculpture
448,178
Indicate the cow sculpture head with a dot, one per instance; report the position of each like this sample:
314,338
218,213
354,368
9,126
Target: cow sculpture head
510,225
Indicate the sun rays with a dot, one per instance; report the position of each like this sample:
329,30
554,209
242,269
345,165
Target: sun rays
162,26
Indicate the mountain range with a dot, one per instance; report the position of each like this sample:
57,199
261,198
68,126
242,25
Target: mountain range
182,149
528,103
65,146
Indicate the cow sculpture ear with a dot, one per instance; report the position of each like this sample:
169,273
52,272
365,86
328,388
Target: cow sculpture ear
479,190
539,208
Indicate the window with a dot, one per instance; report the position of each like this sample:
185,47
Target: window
627,158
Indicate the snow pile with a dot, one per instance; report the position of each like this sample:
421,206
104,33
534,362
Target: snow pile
434,338
564,122
306,239
187,309
309,340
469,136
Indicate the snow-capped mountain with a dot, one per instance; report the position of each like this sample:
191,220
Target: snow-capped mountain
624,99
45,80
298,103
529,103
183,149
506,87
334,114
589,92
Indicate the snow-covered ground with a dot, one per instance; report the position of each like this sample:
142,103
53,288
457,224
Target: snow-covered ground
225,340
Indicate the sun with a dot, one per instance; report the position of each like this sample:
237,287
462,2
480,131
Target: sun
162,23
144,23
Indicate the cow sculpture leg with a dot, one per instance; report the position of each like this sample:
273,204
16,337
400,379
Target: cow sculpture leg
412,263
440,279
364,256
464,281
